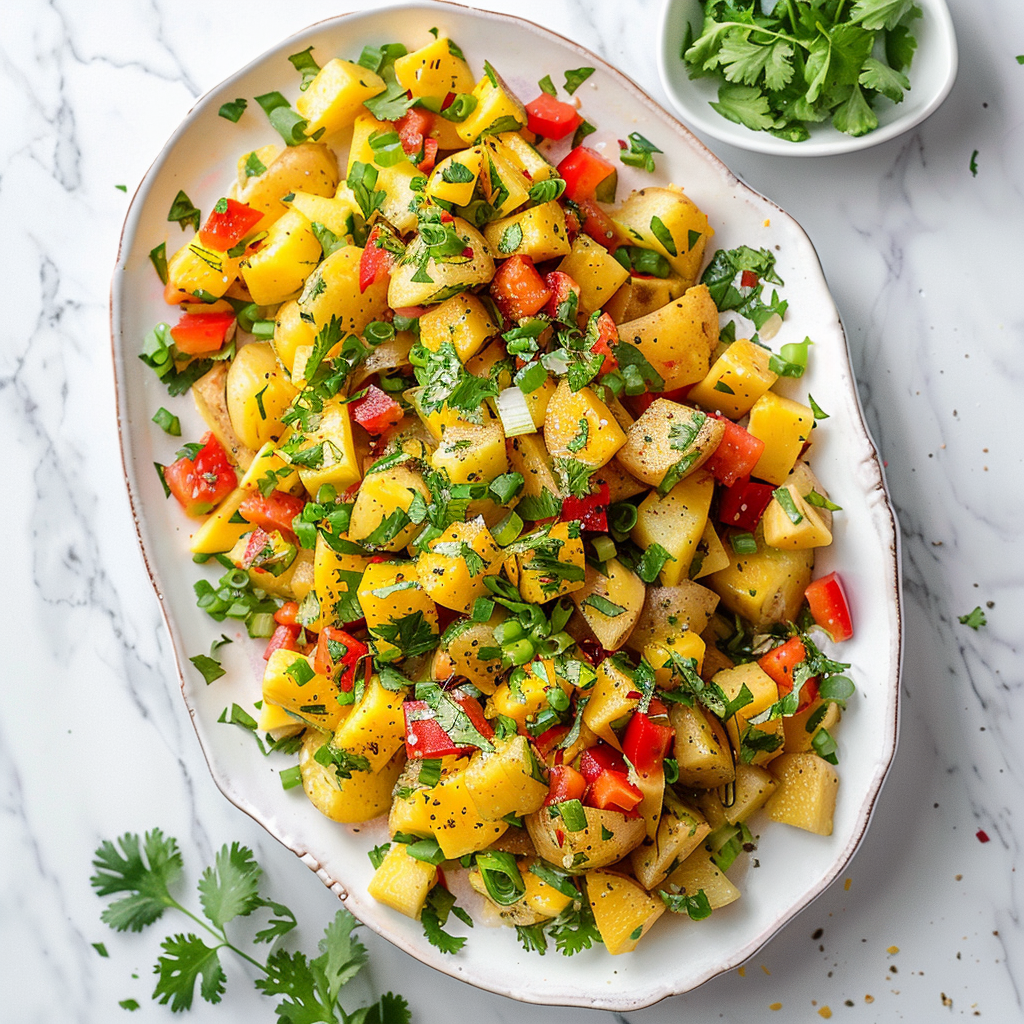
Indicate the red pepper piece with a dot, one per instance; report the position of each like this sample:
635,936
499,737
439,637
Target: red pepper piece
284,638
639,404
613,791
583,170
198,333
287,614
560,285
743,504
608,334
552,118
346,660
549,739
646,742
201,484
601,758
518,289
376,410
736,456
224,230
275,511
565,783
376,262
591,511
424,737
831,610
780,662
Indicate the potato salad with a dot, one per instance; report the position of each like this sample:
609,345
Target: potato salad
502,471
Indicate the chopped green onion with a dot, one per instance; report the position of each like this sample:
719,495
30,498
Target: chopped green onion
507,530
261,624
519,652
291,777
743,543
604,548
501,877
622,517
508,632
514,412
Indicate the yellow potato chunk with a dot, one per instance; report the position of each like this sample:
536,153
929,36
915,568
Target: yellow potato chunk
402,882
806,797
464,321
798,739
680,831
530,695
196,268
333,291
291,333
753,787
255,372
434,70
610,602
809,530
784,426
335,96
765,693
595,270
507,781
623,911
375,727
471,452
381,508
580,426
290,682
701,748
279,268
739,377
329,453
553,563
538,232
335,579
454,179
494,101
698,872
610,701
389,593
505,186
337,214
669,442
457,563
642,295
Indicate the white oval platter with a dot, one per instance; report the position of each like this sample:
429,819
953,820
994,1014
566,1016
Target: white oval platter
794,866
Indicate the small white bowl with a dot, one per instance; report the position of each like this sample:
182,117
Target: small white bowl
931,77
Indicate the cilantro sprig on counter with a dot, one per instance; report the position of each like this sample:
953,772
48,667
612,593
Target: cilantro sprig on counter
141,873
786,64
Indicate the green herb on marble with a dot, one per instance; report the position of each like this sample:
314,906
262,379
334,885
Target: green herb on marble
101,949
121,188
1020,58
974,164
140,871
129,1004
975,619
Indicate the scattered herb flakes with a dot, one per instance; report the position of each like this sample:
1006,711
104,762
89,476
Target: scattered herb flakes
973,165
575,78
208,667
975,619
128,1004
183,212
639,153
121,188
233,111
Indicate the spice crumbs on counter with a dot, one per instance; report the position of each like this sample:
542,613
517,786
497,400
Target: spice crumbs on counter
775,1006
741,971
817,934
765,969
869,999
959,878
946,1001
847,884
825,1012
892,950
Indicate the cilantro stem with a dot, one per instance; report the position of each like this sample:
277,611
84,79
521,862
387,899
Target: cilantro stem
748,28
221,935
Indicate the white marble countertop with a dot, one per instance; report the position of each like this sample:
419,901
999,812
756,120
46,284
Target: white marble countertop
923,259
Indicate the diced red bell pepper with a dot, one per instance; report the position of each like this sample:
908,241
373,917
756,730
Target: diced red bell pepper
201,484
424,737
831,610
592,650
781,661
748,279
743,504
608,334
736,456
639,404
560,285
258,541
552,118
225,230
613,791
646,742
284,638
376,262
198,333
598,225
583,170
518,289
414,128
591,511
275,511
550,738
600,758
565,783
376,410
287,614
345,656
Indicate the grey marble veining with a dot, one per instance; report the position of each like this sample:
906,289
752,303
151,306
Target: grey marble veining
924,262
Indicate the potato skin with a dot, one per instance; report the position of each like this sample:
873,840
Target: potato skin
585,849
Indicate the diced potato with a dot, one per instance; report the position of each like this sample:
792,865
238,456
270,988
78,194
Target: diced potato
665,220
677,522
333,291
621,484
802,477
258,393
459,653
661,656
739,377
711,552
809,531
765,586
334,97
608,837
526,157
195,268
375,727
454,179
623,911
507,781
528,456
553,565
335,579
515,914
540,897
389,593
210,396
611,602
798,739
670,438
336,463
701,748
312,700
364,796
311,168
454,821
291,333
784,426
580,426
765,693
677,339
279,268
494,102
277,722
471,452
610,701
387,495
538,232
505,187
434,70
457,563
337,215
806,796
396,183
402,882
681,830
753,787
293,584
698,872
642,295
595,270
670,612
522,701
462,320
447,277
218,533
538,400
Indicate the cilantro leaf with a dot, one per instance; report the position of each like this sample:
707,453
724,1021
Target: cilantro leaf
975,619
187,959
230,888
145,870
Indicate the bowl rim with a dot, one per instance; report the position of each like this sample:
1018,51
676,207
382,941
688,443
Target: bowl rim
834,144
566,996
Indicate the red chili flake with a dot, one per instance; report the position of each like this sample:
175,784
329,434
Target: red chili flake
982,835
634,695
748,279
467,253
559,837
442,881
622,144
448,101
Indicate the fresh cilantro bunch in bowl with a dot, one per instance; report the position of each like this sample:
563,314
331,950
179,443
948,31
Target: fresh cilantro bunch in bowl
807,77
